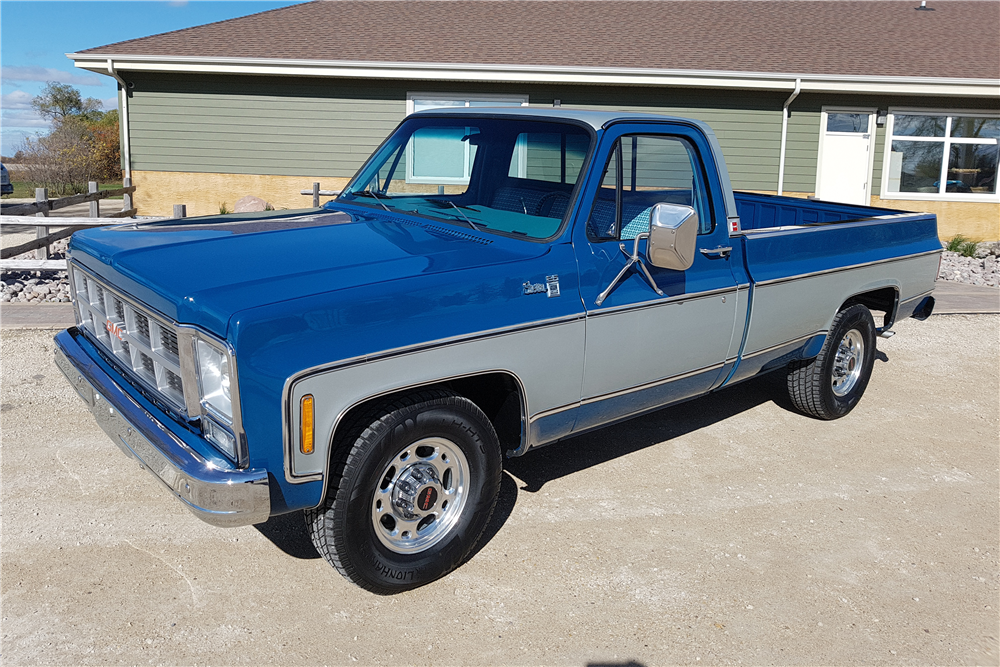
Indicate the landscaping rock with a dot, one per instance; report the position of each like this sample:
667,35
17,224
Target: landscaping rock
250,204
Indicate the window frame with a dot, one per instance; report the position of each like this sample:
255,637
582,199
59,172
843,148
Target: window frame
468,98
946,142
616,153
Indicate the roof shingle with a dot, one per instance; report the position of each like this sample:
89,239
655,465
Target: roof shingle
959,39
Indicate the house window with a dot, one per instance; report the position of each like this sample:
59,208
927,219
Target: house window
946,156
438,157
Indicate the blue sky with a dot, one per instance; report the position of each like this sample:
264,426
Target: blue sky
36,35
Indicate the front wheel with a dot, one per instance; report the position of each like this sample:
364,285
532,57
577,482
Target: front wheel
830,385
418,481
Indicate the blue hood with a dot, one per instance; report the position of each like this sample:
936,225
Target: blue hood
204,270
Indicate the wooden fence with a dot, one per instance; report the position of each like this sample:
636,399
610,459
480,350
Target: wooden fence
42,205
14,215
316,192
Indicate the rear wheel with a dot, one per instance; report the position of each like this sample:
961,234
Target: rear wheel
830,385
411,493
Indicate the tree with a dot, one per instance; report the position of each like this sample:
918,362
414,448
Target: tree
106,148
84,143
61,161
60,101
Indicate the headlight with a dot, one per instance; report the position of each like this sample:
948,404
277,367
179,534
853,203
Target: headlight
213,380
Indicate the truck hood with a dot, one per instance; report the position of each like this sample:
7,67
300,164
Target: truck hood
202,271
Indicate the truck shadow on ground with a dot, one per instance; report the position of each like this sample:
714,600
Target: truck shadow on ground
529,473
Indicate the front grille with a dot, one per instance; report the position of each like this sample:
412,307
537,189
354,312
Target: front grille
143,342
142,325
168,339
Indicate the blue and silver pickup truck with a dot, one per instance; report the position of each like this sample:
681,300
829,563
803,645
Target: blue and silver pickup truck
492,280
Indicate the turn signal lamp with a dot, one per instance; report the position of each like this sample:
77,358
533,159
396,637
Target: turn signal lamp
306,422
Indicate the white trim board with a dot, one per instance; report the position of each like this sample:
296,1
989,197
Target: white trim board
884,85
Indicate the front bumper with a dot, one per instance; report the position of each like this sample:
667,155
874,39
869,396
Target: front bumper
220,496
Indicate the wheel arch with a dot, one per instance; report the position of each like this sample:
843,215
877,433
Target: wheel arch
884,298
499,393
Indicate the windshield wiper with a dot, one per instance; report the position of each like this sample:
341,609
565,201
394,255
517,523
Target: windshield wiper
373,196
454,206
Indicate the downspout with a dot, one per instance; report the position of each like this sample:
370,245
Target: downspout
126,144
784,134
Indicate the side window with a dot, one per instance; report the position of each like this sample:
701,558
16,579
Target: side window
643,171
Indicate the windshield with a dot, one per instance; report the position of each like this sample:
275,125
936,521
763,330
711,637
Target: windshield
499,175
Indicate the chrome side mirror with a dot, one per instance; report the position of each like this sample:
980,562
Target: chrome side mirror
673,231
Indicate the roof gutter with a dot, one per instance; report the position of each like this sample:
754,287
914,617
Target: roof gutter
784,135
885,85
126,143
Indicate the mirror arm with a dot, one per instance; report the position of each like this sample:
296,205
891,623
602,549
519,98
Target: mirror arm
633,260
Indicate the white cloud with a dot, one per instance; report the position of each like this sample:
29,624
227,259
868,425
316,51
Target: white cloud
35,73
110,103
23,119
18,99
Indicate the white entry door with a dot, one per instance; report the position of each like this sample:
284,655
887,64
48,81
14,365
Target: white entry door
845,156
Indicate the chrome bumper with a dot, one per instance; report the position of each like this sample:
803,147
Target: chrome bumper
220,496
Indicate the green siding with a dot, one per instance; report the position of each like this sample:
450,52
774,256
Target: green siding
258,125
304,126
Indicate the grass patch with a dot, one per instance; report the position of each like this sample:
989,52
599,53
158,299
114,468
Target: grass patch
962,245
25,190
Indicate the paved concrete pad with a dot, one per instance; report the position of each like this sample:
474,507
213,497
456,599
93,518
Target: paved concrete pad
958,298
37,316
723,531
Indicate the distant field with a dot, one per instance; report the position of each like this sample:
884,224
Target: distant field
25,190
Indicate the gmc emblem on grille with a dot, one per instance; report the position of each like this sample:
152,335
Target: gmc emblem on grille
113,329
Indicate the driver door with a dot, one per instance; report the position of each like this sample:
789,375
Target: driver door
645,349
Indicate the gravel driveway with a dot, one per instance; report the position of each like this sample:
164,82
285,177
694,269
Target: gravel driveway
727,530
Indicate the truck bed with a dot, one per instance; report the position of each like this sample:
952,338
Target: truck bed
805,258
759,211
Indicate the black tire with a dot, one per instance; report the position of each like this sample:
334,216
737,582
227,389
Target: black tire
355,537
830,385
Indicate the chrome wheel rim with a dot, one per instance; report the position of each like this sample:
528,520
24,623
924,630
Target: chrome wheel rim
847,363
420,495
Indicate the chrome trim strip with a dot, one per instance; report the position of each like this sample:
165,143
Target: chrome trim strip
651,385
623,392
679,298
776,281
553,411
750,233
219,496
772,348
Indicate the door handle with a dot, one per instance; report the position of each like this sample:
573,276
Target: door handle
717,252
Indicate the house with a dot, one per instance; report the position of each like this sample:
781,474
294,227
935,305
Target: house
896,103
